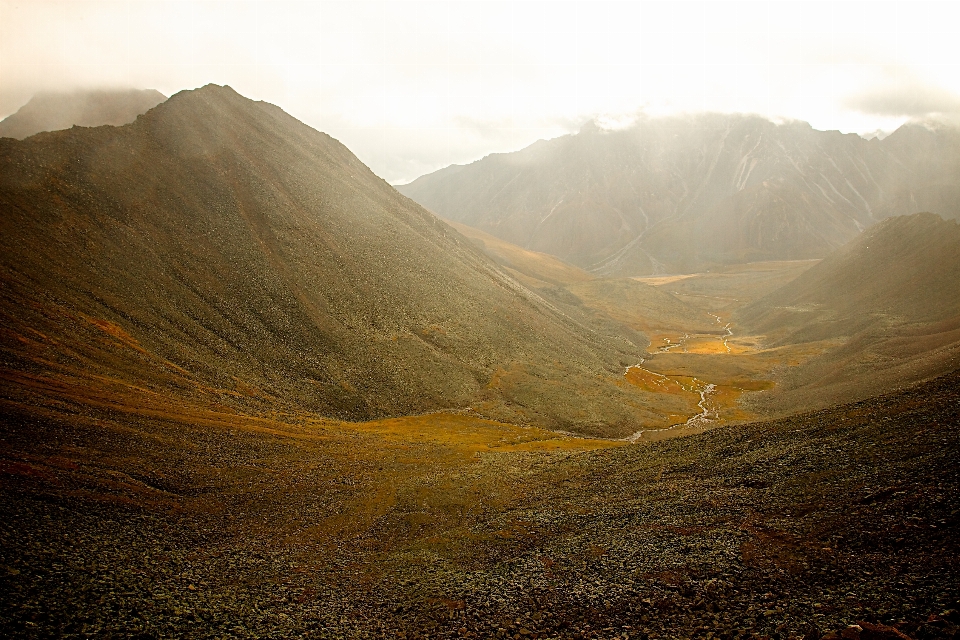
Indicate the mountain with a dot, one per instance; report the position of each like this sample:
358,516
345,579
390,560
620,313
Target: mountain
682,194
219,252
54,111
533,267
887,303
905,269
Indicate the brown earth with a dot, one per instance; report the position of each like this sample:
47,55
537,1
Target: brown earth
117,521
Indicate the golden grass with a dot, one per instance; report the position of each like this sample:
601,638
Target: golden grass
656,383
686,357
658,281
467,434
533,264
420,474
641,306
425,474
715,345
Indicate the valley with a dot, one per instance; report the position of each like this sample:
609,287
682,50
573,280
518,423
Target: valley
248,389
687,320
191,522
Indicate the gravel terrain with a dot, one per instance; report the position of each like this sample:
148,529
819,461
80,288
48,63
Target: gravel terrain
799,528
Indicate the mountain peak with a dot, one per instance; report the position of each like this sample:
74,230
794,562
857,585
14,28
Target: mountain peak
211,89
261,258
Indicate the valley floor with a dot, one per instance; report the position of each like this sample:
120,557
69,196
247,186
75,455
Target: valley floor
116,524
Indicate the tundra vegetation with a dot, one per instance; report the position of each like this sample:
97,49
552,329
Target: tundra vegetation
248,389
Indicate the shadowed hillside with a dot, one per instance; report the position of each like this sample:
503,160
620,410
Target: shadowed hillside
221,251
890,303
905,269
54,111
683,194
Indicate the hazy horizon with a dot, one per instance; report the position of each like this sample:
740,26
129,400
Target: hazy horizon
412,87
696,379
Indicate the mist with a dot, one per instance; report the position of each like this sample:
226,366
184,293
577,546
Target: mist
673,350
411,87
908,97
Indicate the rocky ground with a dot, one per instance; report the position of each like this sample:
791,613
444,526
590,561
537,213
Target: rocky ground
799,528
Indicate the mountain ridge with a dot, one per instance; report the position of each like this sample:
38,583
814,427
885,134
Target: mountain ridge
681,194
888,303
243,250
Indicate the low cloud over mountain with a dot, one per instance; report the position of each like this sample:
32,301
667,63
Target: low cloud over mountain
680,194
54,111
909,97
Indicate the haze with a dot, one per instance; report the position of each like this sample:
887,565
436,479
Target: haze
689,368
411,87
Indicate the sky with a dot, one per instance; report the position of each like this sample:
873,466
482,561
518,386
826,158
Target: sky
411,87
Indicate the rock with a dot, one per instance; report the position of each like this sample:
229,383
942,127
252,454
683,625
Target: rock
852,632
881,632
813,633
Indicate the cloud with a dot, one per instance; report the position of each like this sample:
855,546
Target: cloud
414,86
911,98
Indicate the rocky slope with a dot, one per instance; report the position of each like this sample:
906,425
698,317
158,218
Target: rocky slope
683,193
54,111
628,303
219,249
120,526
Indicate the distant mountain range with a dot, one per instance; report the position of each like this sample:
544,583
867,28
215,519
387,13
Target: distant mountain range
91,108
218,250
680,194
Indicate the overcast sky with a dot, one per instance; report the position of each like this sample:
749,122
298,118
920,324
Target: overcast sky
411,87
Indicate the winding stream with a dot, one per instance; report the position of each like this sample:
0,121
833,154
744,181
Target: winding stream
726,328
673,345
707,414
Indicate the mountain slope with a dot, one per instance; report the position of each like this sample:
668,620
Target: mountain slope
906,268
684,193
54,111
219,251
889,302
541,268
172,528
